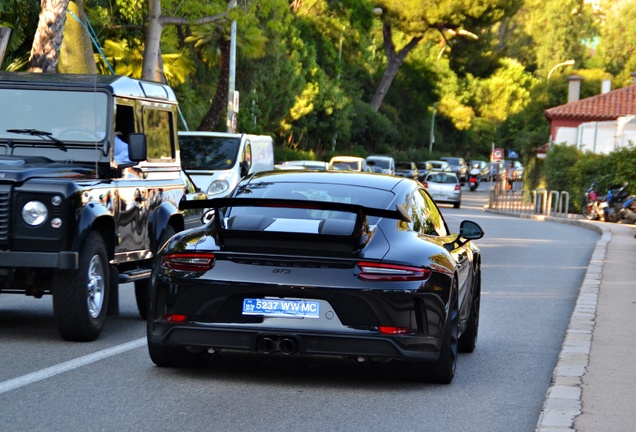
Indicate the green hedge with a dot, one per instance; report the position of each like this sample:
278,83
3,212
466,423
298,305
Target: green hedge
568,169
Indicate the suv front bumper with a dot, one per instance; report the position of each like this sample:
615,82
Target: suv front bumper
63,260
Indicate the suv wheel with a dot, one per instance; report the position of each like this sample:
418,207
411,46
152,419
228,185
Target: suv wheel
80,298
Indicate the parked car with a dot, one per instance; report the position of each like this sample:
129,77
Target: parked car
519,170
407,169
482,166
385,163
423,168
354,162
458,166
440,166
444,188
320,264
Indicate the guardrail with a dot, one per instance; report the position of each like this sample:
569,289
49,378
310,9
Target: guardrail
538,201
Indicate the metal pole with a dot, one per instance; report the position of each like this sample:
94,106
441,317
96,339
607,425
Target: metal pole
430,144
231,84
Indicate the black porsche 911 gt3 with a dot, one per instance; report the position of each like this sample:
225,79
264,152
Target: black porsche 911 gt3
339,264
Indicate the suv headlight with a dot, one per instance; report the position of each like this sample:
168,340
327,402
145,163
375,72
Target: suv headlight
34,213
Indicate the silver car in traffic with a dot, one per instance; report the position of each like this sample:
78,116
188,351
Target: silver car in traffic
444,187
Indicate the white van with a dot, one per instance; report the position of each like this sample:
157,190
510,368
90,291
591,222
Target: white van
354,163
385,163
217,161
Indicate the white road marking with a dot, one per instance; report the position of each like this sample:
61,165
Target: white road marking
49,372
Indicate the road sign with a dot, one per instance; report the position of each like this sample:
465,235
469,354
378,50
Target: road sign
498,154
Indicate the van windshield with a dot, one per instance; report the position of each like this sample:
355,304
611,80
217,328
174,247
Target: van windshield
382,163
208,152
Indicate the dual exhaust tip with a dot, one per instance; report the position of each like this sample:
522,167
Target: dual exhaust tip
285,345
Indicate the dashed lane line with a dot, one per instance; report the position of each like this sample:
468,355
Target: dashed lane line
49,372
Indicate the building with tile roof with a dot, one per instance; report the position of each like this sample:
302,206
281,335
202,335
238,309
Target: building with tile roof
599,123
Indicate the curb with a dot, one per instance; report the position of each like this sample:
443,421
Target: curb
562,404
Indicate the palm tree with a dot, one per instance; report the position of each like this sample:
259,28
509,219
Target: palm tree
48,37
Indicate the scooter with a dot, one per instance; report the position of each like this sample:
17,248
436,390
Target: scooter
627,214
616,196
593,204
473,177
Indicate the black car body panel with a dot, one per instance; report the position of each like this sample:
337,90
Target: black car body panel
295,262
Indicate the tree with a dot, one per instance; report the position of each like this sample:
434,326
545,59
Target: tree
412,19
615,51
76,51
552,31
48,37
154,28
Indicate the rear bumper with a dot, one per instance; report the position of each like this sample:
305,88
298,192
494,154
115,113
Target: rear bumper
307,344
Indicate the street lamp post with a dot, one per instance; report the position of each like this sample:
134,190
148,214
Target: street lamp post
565,63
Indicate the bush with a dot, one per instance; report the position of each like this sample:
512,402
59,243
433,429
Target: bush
568,169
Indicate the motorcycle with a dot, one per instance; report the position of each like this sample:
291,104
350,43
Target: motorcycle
473,177
616,206
616,197
627,214
593,204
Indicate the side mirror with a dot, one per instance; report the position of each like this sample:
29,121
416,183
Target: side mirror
470,230
137,147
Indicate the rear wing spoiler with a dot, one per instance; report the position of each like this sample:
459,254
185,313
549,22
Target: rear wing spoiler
335,236
217,203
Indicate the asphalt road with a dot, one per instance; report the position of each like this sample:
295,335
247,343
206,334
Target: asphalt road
531,274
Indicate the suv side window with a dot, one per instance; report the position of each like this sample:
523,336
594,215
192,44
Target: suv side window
158,125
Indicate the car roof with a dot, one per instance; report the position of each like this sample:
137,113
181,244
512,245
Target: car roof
354,178
347,159
117,85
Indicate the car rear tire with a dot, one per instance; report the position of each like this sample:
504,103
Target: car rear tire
177,357
457,204
468,339
442,370
143,286
80,297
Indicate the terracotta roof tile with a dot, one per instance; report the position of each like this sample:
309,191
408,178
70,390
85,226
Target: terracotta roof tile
606,106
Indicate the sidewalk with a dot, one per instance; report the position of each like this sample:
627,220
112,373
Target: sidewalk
594,383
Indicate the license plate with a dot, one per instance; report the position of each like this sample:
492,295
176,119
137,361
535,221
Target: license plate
291,308
439,196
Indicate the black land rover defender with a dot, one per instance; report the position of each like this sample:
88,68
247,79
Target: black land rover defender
74,222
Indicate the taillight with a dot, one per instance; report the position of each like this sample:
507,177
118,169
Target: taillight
425,184
458,186
175,317
391,272
188,261
394,330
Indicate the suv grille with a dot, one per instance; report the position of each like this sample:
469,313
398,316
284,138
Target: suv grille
5,204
